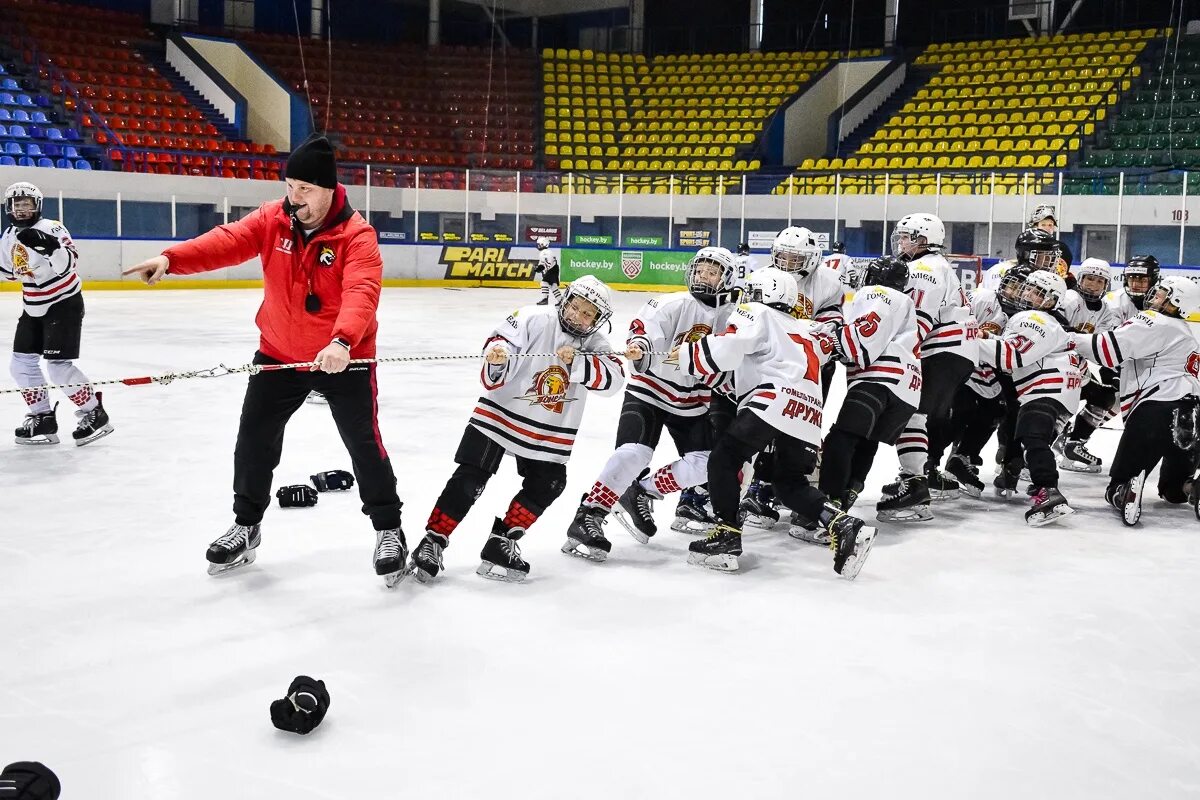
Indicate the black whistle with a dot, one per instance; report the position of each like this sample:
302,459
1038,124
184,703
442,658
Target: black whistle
312,303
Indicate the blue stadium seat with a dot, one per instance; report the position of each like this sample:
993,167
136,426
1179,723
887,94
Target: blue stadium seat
71,152
26,161
7,99
7,161
54,134
5,115
81,164
3,131
20,115
8,84
39,117
33,149
45,162
3,71
72,135
63,163
13,149
42,101
24,100
17,132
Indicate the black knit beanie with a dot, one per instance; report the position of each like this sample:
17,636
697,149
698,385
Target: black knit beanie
313,162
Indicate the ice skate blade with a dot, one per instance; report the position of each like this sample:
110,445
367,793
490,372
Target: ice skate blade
692,526
421,575
628,525
725,562
1078,466
760,522
220,569
1004,494
48,438
862,547
911,514
970,491
98,434
943,495
394,579
576,548
1132,511
501,574
820,536
1040,519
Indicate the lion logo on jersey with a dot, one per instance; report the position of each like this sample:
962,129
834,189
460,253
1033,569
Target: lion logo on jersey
20,259
697,332
326,257
804,307
549,389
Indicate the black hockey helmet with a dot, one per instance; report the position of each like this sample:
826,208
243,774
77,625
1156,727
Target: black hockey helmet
743,249
1141,267
1037,248
885,271
838,247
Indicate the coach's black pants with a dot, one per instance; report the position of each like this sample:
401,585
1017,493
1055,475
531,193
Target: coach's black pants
1147,440
272,398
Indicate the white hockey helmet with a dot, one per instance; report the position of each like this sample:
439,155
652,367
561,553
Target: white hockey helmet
592,290
705,291
1042,290
1175,296
17,191
910,229
542,242
773,287
1040,214
795,250
1100,271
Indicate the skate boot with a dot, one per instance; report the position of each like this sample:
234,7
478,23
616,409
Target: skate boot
851,496
501,557
93,424
850,539
391,556
635,512
691,515
967,475
1007,480
234,549
941,486
38,428
906,500
426,563
315,398
806,530
1048,505
1126,498
585,537
719,550
758,507
1076,458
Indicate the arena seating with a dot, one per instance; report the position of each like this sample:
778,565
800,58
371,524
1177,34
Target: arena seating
1009,105
89,59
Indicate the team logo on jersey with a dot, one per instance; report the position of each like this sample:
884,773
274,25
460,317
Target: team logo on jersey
1193,365
284,246
697,332
20,259
631,263
325,259
549,389
804,307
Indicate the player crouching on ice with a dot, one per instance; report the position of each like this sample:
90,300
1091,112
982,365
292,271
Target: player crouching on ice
531,410
776,362
1160,367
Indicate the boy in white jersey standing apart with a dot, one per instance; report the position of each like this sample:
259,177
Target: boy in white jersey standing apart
39,253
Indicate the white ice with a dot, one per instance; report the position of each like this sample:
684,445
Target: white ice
973,658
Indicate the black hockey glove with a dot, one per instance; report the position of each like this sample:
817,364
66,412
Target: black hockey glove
37,240
337,480
299,496
1185,424
29,780
551,274
305,706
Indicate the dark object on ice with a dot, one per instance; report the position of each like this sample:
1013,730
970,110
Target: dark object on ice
304,707
29,780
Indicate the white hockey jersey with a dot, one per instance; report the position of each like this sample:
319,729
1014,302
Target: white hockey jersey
1096,317
1122,305
660,325
44,281
994,274
839,263
1158,356
776,363
1038,351
820,297
880,336
745,265
533,406
991,318
943,318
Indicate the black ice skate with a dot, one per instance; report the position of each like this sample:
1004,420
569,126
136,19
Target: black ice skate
234,549
1007,480
635,512
906,500
806,530
585,537
93,424
967,475
426,563
942,487
391,556
691,515
501,557
850,539
38,428
719,550
1076,458
1126,498
758,507
1048,505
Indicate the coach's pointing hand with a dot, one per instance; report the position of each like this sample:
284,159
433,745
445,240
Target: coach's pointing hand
151,271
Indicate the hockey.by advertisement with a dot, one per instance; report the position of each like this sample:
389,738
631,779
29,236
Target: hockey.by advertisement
648,267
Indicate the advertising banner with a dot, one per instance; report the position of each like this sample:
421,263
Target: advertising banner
694,238
593,239
626,266
644,241
486,264
551,232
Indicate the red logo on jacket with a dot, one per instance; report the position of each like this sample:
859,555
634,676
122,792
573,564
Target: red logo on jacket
549,390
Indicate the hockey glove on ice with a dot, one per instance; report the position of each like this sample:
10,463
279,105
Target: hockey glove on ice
304,707
29,780
299,496
37,240
337,480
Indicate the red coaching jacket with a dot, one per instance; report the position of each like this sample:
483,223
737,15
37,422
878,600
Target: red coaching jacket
340,264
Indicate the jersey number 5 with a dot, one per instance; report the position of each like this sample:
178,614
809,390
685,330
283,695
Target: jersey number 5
868,325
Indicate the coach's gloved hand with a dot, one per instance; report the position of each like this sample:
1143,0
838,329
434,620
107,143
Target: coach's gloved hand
337,480
37,240
299,496
551,274
305,706
29,780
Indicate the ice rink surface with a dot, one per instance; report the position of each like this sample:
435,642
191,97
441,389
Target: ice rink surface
973,658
